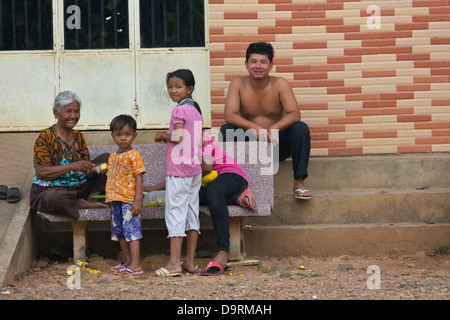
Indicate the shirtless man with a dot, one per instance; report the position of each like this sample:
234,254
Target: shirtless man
259,102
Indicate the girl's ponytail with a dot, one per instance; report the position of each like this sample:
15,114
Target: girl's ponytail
196,105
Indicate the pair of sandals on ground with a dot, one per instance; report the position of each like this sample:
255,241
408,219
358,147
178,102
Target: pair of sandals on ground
11,195
212,269
246,200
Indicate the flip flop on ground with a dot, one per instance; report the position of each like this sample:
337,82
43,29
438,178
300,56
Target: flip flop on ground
213,269
3,192
303,191
128,272
164,273
118,267
13,195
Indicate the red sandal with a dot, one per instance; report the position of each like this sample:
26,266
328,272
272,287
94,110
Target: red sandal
213,269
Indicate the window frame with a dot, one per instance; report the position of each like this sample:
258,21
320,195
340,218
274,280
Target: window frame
33,50
205,30
59,25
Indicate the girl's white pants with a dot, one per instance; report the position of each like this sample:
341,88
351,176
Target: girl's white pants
182,205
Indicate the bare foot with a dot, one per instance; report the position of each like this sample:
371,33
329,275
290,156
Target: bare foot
189,267
221,258
173,268
84,204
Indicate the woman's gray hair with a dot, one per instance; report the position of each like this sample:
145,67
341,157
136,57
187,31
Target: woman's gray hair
63,99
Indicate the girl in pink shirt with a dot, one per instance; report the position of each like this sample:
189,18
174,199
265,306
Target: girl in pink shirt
183,172
229,188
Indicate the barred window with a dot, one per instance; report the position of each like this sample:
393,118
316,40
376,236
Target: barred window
96,24
26,25
101,24
172,23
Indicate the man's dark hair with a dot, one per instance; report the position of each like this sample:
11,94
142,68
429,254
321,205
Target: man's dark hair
121,121
264,48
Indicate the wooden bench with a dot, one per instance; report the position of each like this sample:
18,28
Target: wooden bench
253,157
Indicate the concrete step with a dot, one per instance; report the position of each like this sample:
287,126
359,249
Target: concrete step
360,206
376,172
315,240
365,189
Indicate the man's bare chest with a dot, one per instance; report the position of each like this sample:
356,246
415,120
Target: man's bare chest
260,103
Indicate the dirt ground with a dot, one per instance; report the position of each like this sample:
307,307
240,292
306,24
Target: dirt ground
414,277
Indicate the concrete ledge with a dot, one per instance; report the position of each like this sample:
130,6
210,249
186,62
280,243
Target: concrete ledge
19,246
352,239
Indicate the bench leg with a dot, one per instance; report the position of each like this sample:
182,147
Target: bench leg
236,239
79,240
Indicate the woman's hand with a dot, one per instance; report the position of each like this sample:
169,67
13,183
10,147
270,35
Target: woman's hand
83,166
97,170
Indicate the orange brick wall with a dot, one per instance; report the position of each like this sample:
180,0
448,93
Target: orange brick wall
361,91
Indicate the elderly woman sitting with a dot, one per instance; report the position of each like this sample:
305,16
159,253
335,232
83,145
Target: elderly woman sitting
64,176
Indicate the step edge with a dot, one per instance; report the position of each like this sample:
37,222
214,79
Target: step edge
352,225
367,191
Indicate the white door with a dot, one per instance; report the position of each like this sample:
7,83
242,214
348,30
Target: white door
97,50
98,58
154,103
170,35
28,64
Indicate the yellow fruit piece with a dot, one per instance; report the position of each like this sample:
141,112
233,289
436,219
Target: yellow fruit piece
161,201
104,166
153,204
206,180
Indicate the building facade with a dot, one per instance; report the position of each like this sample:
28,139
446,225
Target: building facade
114,54
370,77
